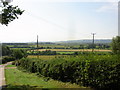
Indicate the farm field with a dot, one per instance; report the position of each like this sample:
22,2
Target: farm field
74,50
46,57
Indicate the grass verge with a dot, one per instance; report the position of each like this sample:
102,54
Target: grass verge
10,66
19,79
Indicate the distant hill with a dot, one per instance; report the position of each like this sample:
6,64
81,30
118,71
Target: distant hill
85,41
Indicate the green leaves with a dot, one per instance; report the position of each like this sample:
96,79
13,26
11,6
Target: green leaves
18,54
100,72
9,13
116,45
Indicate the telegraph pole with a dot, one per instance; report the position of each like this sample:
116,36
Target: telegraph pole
37,41
93,41
37,47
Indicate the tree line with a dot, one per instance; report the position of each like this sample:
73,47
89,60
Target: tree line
11,55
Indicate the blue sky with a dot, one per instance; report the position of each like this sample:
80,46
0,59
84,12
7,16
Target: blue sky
60,21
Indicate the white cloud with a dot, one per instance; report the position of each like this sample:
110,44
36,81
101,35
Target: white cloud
109,7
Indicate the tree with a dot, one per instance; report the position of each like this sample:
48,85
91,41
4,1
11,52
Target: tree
116,45
6,51
9,13
19,53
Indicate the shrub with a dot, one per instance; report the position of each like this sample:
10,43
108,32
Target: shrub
7,59
116,45
100,72
19,53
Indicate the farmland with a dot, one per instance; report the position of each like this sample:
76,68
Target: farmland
57,45
46,57
74,50
70,63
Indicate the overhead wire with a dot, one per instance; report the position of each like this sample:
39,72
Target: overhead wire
45,20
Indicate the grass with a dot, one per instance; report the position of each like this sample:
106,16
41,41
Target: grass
17,78
10,66
65,52
20,48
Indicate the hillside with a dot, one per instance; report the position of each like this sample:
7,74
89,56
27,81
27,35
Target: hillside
85,41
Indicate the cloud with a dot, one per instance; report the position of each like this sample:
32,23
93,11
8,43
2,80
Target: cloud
109,7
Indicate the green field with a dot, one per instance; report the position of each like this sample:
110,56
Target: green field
10,66
46,57
19,79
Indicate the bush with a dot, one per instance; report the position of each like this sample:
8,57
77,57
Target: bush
7,59
6,51
100,72
19,53
116,45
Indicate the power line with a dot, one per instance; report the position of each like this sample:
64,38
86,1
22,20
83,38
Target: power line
45,20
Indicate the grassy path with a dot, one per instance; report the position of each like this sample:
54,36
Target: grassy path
16,78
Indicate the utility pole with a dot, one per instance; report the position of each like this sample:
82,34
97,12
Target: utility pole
37,41
37,47
93,41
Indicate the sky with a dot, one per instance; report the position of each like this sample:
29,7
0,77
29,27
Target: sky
61,20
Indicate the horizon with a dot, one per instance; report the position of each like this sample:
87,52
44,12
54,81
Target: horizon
55,41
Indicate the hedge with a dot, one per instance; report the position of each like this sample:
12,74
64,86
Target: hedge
99,72
7,59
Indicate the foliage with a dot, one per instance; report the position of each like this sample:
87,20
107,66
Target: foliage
116,45
100,72
6,51
9,13
7,59
11,55
19,53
